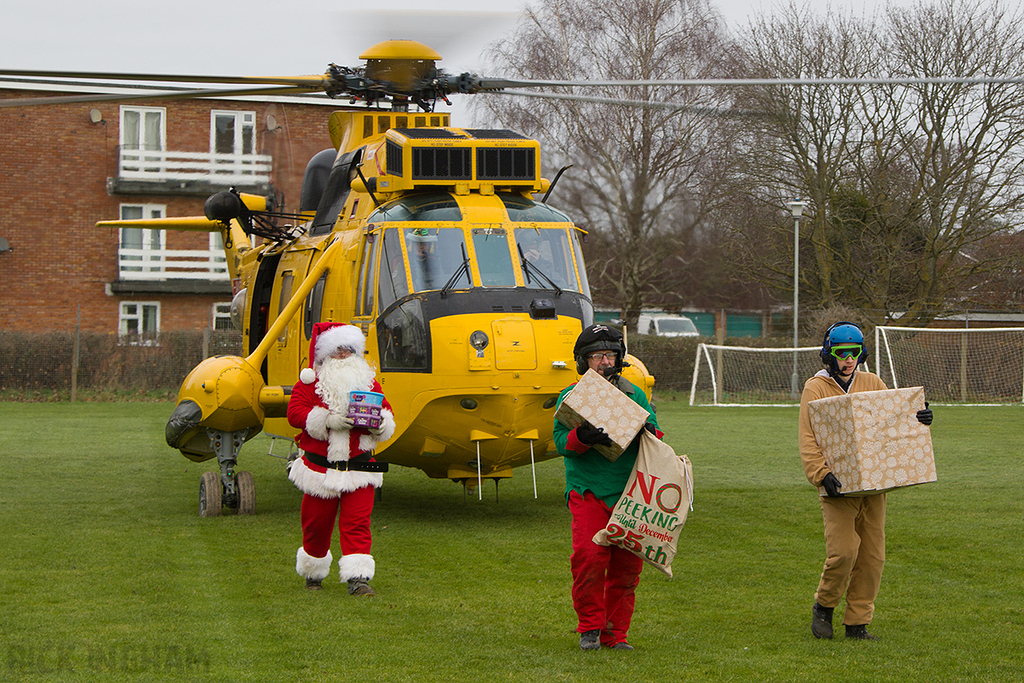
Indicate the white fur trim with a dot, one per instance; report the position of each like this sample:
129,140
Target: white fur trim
313,567
307,376
316,423
339,337
356,566
332,483
338,445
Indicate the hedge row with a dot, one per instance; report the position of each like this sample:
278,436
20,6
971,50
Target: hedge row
43,362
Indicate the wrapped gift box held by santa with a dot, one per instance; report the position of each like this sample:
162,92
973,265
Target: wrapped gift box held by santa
599,402
872,440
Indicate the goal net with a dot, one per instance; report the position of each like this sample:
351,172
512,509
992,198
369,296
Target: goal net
744,376
966,365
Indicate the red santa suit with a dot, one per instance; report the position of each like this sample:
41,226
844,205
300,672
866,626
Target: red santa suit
330,448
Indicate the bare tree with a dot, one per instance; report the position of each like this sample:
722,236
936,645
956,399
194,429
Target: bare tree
903,180
643,177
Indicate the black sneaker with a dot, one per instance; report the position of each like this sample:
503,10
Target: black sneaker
360,586
622,646
590,640
859,632
313,584
821,621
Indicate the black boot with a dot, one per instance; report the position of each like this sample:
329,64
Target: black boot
821,621
860,632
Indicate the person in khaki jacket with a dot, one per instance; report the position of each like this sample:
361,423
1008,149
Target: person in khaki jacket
854,526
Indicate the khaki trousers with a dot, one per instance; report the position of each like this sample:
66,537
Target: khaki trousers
855,554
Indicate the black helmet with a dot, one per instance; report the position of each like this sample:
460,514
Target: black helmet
842,332
599,338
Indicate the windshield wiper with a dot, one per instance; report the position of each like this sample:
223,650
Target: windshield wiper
528,266
464,268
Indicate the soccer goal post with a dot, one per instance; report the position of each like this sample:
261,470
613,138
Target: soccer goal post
976,365
745,376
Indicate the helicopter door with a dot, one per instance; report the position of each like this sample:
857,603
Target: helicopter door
259,311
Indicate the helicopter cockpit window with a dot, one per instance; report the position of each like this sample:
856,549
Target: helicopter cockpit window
493,257
523,210
546,258
578,251
437,258
393,282
422,207
402,338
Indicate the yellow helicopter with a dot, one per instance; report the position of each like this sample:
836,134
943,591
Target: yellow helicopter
439,243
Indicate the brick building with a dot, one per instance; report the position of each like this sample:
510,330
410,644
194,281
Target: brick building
65,166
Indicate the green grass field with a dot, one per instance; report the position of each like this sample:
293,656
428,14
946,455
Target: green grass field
108,573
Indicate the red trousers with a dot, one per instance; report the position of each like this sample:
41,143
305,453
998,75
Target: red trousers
604,578
318,515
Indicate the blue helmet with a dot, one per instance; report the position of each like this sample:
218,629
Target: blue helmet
841,333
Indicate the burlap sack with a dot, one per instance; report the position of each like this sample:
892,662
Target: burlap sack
653,508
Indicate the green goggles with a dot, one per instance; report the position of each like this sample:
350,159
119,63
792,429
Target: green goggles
847,351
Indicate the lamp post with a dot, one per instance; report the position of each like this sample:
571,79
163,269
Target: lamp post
796,207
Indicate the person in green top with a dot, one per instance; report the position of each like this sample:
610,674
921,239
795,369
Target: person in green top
604,578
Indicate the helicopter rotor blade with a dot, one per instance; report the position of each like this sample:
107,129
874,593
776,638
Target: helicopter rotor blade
160,95
479,84
310,81
643,104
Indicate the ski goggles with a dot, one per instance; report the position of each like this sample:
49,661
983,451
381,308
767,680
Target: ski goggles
846,351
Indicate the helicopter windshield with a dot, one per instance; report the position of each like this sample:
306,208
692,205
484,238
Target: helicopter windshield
424,207
523,210
436,258
546,258
493,257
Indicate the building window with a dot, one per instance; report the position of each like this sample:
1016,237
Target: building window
233,132
141,248
222,316
143,130
140,320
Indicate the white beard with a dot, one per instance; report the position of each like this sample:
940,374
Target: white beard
338,376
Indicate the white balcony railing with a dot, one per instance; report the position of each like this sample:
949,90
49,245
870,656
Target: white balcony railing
192,166
167,264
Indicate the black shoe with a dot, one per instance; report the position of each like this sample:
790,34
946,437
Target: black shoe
360,586
313,584
622,646
860,632
821,621
590,640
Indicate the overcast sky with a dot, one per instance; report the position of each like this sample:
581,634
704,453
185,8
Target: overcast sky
268,38
263,37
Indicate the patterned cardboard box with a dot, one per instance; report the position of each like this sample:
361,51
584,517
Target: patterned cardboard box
872,440
599,402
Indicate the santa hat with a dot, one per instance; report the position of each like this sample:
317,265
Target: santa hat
326,340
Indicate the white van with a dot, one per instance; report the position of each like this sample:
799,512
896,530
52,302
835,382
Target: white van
666,325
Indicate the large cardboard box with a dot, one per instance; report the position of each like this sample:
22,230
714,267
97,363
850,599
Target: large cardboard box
599,402
872,440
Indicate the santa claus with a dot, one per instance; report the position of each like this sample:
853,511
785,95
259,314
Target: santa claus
336,473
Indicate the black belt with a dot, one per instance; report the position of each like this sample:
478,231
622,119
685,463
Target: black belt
346,465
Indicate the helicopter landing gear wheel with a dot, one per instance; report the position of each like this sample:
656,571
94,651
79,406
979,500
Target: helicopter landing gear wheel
211,495
246,493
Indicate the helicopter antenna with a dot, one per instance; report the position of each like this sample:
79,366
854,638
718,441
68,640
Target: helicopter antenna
554,182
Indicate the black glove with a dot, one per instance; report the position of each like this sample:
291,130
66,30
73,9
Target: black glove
925,416
649,426
589,434
832,486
